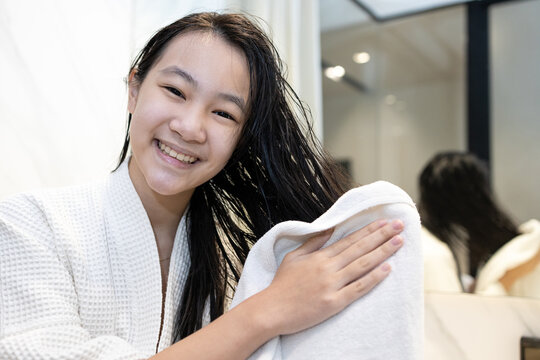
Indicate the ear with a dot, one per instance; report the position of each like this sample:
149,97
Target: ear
133,91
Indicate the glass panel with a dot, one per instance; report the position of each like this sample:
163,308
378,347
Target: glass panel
390,8
515,91
402,101
340,13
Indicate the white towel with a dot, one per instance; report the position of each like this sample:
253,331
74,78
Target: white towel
386,323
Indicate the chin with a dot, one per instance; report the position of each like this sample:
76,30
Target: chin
166,189
164,186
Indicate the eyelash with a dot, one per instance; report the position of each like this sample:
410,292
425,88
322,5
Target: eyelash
178,93
225,115
175,92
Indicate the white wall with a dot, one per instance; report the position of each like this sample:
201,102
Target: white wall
420,63
393,142
430,120
351,132
62,70
515,104
62,66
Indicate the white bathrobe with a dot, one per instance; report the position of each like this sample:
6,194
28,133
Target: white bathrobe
80,278
80,275
514,253
440,268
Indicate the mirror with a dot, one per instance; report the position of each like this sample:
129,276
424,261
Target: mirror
395,93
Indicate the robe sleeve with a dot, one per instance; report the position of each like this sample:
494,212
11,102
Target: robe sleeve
39,312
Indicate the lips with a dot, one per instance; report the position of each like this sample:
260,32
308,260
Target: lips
187,159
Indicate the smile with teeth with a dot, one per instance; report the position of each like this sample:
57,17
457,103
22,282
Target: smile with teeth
180,157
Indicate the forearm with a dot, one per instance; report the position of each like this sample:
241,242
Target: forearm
234,335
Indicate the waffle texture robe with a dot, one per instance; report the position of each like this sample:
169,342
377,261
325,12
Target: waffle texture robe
80,276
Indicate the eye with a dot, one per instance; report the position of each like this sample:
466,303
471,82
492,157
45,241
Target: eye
224,114
175,91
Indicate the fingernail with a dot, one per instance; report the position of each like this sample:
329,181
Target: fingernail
397,224
397,240
382,223
385,267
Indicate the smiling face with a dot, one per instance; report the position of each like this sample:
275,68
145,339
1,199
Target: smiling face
187,114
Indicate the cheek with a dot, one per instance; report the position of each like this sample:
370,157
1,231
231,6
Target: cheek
225,144
145,118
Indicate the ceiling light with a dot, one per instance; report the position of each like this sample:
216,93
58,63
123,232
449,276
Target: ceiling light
361,57
335,72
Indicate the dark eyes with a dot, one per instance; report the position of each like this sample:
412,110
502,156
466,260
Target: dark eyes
175,91
224,114
178,93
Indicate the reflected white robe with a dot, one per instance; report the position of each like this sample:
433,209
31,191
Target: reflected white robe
514,253
440,269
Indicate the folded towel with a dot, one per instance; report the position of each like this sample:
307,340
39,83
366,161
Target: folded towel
386,323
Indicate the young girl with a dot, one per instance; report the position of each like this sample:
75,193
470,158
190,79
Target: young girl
136,265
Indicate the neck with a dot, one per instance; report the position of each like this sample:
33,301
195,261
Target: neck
164,211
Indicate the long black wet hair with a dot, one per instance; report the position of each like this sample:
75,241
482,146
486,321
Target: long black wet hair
458,205
278,171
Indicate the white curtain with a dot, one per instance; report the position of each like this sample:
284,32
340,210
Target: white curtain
62,70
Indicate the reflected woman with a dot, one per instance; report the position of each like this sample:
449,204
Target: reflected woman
458,207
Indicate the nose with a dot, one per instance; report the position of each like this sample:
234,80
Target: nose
190,125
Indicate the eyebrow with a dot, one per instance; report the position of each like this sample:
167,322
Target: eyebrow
187,77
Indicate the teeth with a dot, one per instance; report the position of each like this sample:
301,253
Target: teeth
181,157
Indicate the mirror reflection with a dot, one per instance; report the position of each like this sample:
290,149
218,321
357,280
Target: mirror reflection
403,87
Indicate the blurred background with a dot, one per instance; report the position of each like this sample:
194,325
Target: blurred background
405,91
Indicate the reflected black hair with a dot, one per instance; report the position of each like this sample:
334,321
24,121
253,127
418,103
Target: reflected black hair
278,171
458,206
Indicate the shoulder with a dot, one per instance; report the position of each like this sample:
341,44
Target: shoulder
22,214
523,246
40,213
45,200
531,226
517,258
432,245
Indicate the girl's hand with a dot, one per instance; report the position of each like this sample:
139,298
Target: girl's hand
312,284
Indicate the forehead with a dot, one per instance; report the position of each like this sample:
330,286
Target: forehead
201,48
213,62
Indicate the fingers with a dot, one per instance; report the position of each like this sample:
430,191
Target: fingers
347,241
363,285
370,261
364,241
329,279
314,243
365,245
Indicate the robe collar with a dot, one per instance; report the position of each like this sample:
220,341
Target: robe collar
137,246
